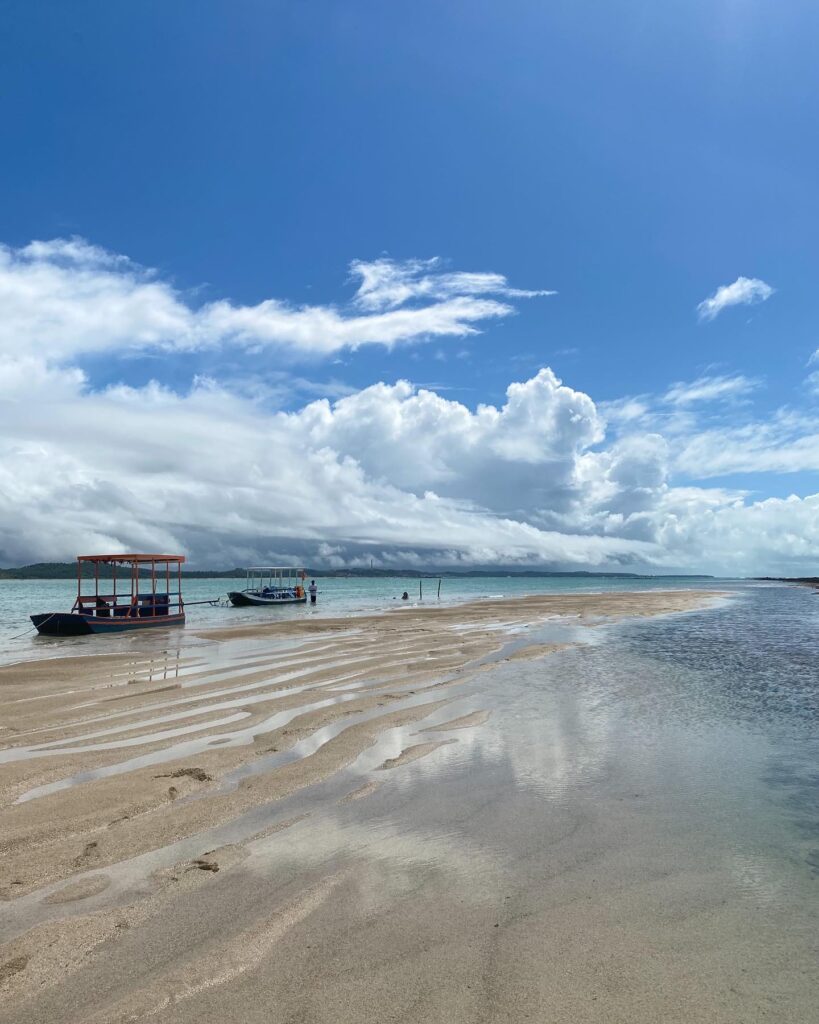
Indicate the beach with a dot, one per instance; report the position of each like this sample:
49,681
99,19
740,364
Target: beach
502,810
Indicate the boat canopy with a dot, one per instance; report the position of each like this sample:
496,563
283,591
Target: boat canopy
274,575
132,558
137,586
286,569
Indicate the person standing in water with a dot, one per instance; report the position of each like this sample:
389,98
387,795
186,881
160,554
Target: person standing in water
312,590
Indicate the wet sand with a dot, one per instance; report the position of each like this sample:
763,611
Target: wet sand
242,829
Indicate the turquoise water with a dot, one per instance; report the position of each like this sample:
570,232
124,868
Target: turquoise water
21,598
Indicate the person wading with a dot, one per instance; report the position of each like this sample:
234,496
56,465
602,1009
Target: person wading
312,590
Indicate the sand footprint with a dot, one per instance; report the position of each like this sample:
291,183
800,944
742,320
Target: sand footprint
12,967
80,890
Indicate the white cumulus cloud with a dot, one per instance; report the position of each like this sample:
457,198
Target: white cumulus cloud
392,472
745,291
213,474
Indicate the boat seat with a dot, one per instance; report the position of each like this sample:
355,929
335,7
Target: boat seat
153,604
147,609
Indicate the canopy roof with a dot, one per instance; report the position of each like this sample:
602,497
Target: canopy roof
131,558
275,568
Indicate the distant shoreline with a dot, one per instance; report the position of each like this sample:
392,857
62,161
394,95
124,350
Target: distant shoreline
68,570
806,581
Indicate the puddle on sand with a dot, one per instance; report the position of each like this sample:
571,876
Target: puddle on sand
189,748
127,880
7,756
66,744
310,744
74,745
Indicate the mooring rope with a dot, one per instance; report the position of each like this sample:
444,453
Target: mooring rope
30,628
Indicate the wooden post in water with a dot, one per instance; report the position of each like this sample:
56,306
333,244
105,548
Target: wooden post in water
439,588
420,589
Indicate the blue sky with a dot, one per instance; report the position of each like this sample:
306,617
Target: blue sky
632,157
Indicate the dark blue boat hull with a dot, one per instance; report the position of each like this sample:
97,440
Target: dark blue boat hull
79,624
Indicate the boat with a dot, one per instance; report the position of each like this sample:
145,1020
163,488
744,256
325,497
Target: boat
142,591
271,585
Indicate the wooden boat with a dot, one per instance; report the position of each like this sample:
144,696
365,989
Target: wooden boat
142,591
271,585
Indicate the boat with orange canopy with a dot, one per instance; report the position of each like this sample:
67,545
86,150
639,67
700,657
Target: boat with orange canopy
116,593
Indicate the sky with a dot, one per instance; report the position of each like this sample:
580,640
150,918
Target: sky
521,285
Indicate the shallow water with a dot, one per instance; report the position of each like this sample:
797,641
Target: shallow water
20,598
686,711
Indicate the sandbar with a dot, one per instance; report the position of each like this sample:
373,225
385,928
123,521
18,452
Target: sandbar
201,848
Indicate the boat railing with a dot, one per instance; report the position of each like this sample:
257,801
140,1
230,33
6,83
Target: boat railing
142,605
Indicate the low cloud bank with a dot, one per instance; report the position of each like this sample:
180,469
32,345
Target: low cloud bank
394,473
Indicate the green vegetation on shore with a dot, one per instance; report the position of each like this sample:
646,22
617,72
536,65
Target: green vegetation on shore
68,570
811,581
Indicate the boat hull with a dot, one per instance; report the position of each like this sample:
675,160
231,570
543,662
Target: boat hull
241,599
77,624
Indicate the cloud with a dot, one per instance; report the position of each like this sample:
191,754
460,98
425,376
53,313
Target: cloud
625,410
777,536
745,291
679,412
386,284
213,474
520,456
709,389
712,431
785,443
65,297
392,472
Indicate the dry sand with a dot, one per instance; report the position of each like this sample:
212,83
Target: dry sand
250,719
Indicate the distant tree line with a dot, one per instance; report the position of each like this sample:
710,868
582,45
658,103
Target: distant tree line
68,570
